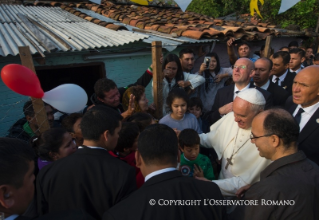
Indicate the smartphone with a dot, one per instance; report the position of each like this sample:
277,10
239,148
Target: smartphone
207,61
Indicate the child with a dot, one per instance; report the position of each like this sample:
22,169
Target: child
192,162
178,118
195,106
126,147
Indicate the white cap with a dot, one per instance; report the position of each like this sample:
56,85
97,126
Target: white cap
252,96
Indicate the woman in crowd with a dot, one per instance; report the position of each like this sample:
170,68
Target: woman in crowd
215,77
140,100
175,78
54,144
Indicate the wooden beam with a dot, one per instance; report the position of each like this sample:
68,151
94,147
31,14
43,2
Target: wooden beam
157,78
38,105
267,49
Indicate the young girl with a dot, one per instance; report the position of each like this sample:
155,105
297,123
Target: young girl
178,118
174,77
54,144
215,78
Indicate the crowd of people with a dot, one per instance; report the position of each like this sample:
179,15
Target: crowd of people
237,142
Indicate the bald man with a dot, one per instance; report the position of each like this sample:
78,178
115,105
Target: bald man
303,105
242,72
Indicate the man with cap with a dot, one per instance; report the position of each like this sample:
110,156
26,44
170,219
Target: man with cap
230,137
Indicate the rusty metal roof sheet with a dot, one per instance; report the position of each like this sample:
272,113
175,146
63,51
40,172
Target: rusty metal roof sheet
63,30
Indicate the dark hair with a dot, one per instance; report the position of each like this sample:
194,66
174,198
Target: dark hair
284,55
98,120
15,155
293,44
269,61
195,101
127,136
281,123
50,141
141,119
69,121
185,51
176,93
284,47
241,44
103,85
137,91
158,145
207,74
298,51
189,138
316,58
28,108
173,58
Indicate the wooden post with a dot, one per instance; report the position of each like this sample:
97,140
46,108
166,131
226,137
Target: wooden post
157,78
267,46
38,105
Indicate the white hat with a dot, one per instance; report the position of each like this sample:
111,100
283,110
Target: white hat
252,96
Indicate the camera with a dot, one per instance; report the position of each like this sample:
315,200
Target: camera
207,61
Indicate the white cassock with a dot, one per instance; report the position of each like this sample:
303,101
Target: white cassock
228,139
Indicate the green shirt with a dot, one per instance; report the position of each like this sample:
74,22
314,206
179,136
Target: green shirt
187,166
28,130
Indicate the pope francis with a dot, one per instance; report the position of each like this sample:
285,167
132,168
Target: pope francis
230,137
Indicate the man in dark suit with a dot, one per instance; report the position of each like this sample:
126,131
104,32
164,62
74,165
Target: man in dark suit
304,106
280,71
263,67
290,177
16,177
90,179
297,57
166,194
243,70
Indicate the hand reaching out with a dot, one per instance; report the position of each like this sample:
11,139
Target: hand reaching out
198,172
226,109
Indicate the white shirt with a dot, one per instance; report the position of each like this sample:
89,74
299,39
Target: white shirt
297,71
281,78
265,86
236,89
94,147
158,172
305,116
11,217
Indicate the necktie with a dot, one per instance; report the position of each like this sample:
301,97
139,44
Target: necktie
298,115
277,81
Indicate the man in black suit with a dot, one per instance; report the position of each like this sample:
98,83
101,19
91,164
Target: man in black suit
90,179
303,105
243,70
280,71
16,177
166,194
263,67
297,57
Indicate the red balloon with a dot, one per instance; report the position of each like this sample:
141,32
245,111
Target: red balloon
22,80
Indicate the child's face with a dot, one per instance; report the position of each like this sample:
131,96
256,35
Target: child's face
195,110
191,153
179,107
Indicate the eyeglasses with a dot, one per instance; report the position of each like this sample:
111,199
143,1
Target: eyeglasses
240,67
255,137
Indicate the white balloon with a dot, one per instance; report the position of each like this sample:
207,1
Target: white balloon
68,98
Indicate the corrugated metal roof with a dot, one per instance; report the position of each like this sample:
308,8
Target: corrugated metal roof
58,27
169,43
